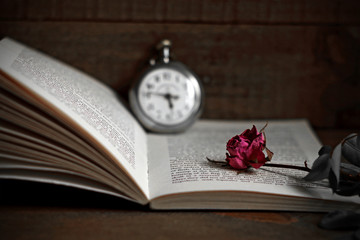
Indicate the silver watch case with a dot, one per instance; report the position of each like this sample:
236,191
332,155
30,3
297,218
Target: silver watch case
150,124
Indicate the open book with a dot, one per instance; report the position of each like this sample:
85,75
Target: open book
60,126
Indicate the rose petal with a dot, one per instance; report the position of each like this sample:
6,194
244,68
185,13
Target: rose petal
232,151
246,149
259,160
254,150
236,162
232,145
243,146
250,134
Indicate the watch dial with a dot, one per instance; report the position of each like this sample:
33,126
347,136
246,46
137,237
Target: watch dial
166,96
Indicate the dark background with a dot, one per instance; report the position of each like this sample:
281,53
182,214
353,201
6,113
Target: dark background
257,59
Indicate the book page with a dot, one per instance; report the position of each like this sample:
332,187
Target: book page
83,103
57,176
178,163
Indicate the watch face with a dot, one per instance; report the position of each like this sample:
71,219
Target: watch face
167,97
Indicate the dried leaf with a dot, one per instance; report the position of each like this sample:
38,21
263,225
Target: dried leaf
341,220
349,172
333,182
346,188
327,165
321,166
335,160
351,150
263,129
334,176
325,149
349,183
269,153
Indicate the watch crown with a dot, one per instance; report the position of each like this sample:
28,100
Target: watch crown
164,48
163,43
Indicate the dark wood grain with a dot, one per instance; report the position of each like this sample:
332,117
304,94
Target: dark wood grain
203,11
69,223
248,71
262,59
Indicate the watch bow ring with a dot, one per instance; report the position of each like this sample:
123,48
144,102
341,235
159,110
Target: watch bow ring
168,97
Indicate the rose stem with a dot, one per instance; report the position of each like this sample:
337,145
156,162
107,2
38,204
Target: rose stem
287,166
217,162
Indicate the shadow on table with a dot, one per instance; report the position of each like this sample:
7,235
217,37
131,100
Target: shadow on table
25,193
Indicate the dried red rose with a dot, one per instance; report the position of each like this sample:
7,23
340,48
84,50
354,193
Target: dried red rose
246,150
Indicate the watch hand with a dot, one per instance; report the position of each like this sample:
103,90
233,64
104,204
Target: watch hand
168,97
165,95
175,97
171,105
157,94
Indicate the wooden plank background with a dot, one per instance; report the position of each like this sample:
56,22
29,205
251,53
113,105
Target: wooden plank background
257,59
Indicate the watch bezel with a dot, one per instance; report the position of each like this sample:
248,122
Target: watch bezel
147,121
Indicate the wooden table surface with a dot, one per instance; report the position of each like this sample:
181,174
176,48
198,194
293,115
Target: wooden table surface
41,211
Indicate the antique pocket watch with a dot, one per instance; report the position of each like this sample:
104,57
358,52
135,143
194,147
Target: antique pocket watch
168,97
